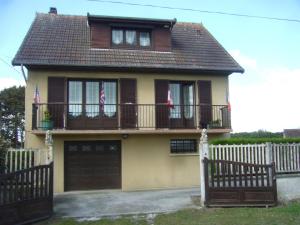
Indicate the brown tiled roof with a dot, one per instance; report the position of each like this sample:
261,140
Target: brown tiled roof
293,133
61,40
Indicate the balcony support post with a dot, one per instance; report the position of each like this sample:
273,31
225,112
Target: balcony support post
203,154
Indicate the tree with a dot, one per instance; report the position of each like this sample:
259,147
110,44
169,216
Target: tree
3,151
12,112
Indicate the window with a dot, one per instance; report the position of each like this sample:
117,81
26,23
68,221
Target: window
92,99
110,95
117,37
144,39
175,95
182,94
100,98
130,38
183,146
75,98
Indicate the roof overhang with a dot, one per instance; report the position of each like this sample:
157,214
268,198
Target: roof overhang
167,70
132,20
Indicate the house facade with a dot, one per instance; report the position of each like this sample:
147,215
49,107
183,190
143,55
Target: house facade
126,98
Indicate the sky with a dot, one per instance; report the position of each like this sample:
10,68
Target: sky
266,96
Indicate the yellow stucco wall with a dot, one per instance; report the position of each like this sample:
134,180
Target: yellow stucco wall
146,159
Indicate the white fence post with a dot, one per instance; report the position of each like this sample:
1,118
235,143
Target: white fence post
49,144
269,153
203,153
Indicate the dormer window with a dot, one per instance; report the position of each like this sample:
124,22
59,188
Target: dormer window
117,37
145,39
130,38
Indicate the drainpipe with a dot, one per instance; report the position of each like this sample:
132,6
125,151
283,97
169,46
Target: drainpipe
23,73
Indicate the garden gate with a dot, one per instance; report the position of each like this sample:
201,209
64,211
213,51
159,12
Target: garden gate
230,183
26,195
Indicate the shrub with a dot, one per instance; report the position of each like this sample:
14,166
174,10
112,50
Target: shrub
239,141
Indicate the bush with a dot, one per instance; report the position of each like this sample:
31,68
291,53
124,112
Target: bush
240,141
257,134
4,145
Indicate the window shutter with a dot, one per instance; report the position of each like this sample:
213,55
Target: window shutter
128,103
56,94
161,98
205,101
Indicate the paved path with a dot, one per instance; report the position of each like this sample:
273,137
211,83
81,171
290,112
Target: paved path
113,203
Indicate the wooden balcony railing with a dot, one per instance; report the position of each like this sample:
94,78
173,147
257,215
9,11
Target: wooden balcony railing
47,116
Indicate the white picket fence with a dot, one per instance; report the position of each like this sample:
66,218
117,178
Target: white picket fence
286,156
18,159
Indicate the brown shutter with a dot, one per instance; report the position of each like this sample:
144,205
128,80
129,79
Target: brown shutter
128,103
56,94
204,90
161,98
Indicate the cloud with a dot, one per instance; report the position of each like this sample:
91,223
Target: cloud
270,103
243,60
6,82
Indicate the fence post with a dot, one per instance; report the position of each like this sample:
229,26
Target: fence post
203,153
269,153
49,144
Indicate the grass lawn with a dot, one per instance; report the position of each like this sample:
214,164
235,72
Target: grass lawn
282,215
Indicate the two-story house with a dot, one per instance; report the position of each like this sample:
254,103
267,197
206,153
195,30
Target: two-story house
126,98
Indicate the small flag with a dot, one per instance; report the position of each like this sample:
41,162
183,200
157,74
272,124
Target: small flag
229,107
228,102
102,98
170,100
36,97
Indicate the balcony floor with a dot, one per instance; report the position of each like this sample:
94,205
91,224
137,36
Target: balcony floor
130,131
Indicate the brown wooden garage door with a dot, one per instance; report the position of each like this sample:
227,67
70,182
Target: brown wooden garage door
92,165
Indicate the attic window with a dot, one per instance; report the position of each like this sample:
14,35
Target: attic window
130,38
145,39
117,37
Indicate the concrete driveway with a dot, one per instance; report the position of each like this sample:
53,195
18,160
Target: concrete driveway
111,203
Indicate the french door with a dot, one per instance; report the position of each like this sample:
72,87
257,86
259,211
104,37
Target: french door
182,114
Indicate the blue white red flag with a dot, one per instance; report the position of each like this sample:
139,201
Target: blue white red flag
36,97
170,100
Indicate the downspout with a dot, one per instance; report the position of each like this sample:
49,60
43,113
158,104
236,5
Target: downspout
23,73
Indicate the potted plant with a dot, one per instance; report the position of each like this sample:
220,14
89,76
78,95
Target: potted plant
47,123
215,124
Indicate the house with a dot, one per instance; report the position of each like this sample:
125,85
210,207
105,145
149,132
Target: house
126,98
291,133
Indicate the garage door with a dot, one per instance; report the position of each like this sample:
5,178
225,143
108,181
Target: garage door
92,165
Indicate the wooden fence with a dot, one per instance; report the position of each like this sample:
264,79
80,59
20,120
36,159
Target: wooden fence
238,183
19,159
286,156
26,195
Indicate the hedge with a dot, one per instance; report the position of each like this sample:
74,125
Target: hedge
239,141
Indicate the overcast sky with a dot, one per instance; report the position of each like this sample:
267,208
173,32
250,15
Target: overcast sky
266,96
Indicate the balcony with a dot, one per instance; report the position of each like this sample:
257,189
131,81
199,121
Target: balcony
138,117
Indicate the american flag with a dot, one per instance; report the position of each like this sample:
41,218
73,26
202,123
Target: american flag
36,97
102,98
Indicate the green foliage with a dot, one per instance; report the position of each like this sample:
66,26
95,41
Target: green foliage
281,215
257,134
237,141
12,114
3,150
47,116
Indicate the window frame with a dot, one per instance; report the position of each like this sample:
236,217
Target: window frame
83,108
177,149
137,44
181,97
